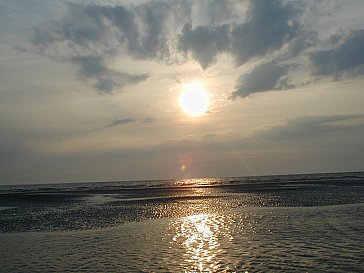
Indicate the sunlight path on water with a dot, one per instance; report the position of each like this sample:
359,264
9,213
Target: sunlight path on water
199,234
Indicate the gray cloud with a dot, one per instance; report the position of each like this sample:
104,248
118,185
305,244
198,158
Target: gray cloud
106,79
270,24
123,121
141,30
90,65
306,126
347,57
304,40
146,32
90,35
217,11
116,80
264,77
204,42
105,85
148,120
77,29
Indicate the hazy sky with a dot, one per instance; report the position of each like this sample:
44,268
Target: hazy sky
89,90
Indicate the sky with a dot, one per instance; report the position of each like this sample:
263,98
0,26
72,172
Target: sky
92,90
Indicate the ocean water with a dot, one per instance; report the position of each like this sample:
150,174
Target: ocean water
292,223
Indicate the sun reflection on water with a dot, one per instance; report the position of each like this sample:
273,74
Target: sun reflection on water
198,181
199,235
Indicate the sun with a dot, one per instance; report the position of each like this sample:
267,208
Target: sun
194,100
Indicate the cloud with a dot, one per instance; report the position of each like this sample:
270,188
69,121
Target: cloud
105,85
264,77
92,36
346,58
123,121
204,42
148,120
88,36
106,79
304,40
76,28
142,30
90,65
116,80
306,126
270,24
213,12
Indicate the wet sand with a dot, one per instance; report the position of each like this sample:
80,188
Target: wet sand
266,239
300,226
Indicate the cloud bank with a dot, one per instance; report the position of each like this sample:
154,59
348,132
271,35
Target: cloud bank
346,58
264,77
271,34
303,127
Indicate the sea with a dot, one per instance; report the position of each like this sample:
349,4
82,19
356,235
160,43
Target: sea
280,223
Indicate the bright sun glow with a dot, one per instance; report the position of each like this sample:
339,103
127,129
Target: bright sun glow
194,99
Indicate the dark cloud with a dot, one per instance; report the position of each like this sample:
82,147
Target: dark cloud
106,79
346,58
90,65
145,32
105,85
77,29
204,42
140,30
123,121
306,126
304,40
217,11
335,39
270,24
264,77
126,78
154,42
90,35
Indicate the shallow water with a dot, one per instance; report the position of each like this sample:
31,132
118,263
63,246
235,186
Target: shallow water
290,239
304,227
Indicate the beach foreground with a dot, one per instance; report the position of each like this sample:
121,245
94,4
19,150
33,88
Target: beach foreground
290,224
